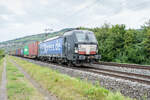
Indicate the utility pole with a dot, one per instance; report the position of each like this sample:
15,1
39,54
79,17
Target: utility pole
47,30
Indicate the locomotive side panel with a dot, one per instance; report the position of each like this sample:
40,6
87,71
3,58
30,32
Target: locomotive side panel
69,47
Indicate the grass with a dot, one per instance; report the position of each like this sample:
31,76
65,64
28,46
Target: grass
1,69
18,87
66,87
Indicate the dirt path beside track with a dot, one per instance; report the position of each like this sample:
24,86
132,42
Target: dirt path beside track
3,90
48,96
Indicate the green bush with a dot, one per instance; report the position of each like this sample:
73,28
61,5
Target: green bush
118,44
2,54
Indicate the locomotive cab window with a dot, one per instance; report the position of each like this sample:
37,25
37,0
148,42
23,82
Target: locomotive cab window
81,37
91,37
86,37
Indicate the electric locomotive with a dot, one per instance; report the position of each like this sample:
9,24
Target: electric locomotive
73,47
81,46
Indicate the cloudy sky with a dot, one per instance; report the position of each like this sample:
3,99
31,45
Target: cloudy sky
26,17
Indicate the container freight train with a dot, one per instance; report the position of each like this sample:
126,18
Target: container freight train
73,47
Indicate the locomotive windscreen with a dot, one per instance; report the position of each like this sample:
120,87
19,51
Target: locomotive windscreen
81,37
86,37
91,37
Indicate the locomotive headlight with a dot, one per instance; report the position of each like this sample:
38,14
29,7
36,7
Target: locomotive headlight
76,50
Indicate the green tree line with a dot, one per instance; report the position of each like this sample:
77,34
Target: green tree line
118,44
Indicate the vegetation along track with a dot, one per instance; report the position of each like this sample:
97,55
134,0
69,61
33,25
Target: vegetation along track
145,79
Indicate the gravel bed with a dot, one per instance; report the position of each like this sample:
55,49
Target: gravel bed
123,69
127,88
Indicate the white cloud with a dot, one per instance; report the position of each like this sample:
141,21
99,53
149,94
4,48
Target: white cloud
15,6
132,19
25,17
4,17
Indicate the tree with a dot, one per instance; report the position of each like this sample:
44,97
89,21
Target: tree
2,54
146,41
133,48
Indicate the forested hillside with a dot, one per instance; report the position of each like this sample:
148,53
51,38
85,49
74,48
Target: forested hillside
21,42
118,44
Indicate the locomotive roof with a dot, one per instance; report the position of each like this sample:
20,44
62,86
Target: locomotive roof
66,33
50,39
73,31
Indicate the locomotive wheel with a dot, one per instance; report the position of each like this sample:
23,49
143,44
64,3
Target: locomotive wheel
59,62
70,64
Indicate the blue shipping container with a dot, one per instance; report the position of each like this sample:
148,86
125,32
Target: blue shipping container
16,52
51,47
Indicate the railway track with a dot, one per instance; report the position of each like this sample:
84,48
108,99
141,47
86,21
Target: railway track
144,79
135,66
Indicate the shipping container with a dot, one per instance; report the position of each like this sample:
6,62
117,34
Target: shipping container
26,51
16,52
22,52
19,52
33,49
52,47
